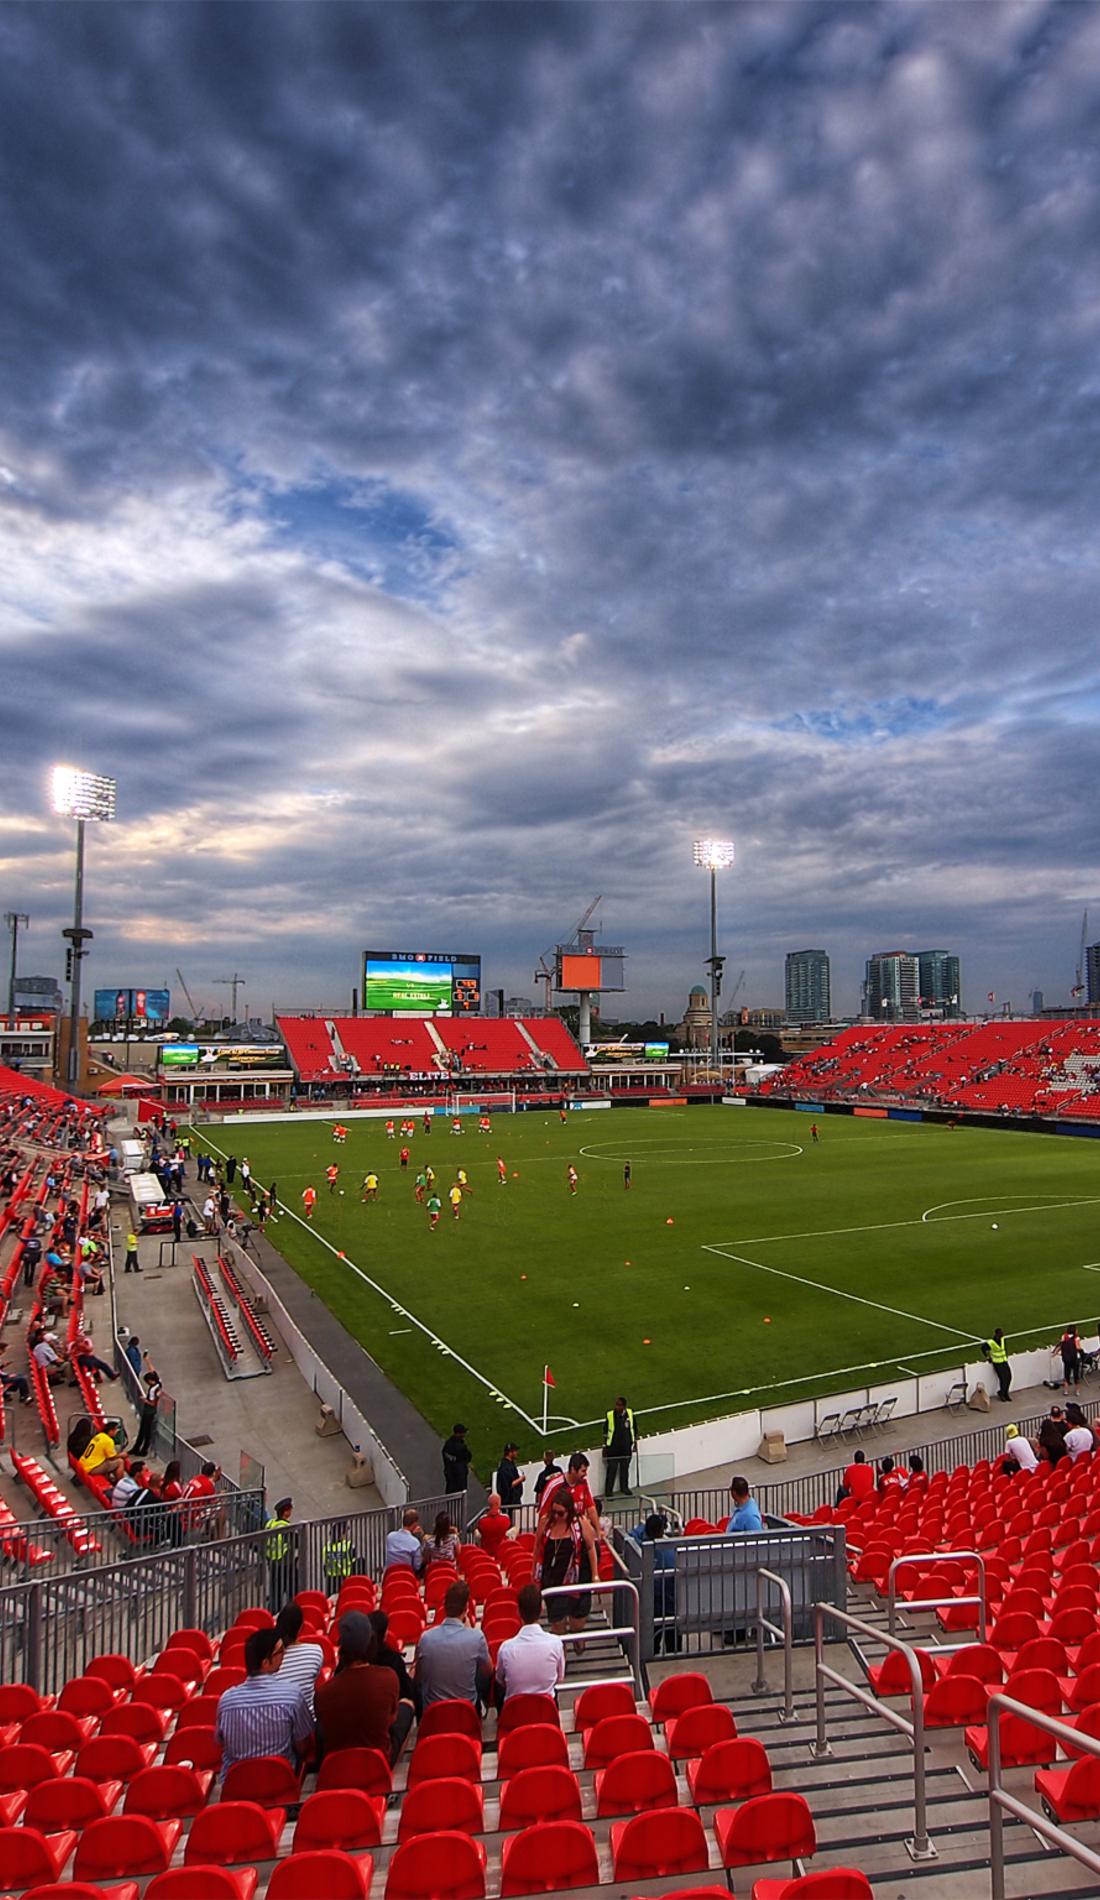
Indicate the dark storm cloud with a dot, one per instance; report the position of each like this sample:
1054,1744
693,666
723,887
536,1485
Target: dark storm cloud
451,455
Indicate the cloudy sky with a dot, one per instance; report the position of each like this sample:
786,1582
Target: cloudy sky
453,455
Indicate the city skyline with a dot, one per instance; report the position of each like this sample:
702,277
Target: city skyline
452,457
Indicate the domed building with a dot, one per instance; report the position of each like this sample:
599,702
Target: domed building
695,1028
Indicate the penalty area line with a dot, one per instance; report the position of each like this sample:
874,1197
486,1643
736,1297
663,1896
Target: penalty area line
840,1293
403,1312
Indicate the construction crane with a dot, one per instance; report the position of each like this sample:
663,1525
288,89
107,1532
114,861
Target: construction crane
197,1015
235,983
1079,979
545,975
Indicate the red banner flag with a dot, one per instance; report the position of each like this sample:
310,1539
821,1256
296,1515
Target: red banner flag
548,1377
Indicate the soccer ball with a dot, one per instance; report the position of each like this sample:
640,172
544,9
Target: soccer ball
994,1227
341,1190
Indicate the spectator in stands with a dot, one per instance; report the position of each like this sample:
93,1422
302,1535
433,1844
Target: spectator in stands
263,1716
456,1460
858,1481
745,1515
509,1481
195,1513
1079,1437
361,1706
14,1383
47,1358
81,1353
210,1214
889,1477
127,1485
917,1472
405,1548
452,1659
101,1458
147,1418
550,1469
32,1255
654,1531
533,1661
442,1545
302,1661
1052,1435
576,1481
565,1554
394,1659
494,1525
1019,1451
1069,1347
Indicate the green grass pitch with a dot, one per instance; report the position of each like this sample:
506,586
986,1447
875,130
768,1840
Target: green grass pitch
712,1286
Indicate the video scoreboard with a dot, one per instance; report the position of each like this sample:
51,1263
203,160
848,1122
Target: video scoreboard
421,983
150,1008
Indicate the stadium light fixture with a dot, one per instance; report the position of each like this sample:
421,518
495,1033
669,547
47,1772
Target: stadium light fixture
89,798
714,854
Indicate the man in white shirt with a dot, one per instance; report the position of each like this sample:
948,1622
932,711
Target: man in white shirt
1079,1438
405,1548
532,1662
1020,1449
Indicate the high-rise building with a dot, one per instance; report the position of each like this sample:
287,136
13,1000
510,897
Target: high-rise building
808,986
1092,973
1036,1002
939,979
891,987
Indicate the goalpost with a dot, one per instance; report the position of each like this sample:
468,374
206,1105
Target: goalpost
482,1102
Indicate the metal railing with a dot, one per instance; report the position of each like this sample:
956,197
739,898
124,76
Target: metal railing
704,1601
919,1846
51,1626
90,1539
1001,1802
785,1635
631,1631
932,1559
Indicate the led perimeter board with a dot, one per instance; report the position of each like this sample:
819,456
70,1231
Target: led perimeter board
421,983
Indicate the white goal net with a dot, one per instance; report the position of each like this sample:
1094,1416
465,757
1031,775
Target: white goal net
483,1102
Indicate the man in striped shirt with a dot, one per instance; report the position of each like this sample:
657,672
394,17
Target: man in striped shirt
263,1716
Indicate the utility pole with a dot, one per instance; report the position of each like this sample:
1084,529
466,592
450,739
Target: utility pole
15,920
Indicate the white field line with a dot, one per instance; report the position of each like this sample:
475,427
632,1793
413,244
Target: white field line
401,1311
840,1293
971,1199
729,1159
883,1226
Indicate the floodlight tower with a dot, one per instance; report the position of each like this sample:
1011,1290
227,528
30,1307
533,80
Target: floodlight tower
85,796
714,854
15,920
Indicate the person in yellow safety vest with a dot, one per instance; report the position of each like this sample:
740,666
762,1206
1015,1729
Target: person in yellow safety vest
279,1551
620,1438
995,1350
338,1558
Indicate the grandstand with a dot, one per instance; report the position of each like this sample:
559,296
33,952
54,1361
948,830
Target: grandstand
1001,1067
379,1053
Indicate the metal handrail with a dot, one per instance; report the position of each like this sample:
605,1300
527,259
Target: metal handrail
929,1558
919,1847
999,1797
785,1634
633,1630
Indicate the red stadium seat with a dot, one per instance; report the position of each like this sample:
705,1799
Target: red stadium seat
18,1701
602,1699
340,1817
193,1748
955,1702
195,1639
113,1758
696,1730
58,1731
536,1746
975,1659
730,1771
891,1676
28,1763
87,1695
168,1792
518,1710
160,1692
538,1794
83,1890
364,1768
28,1857
254,1618
336,1875
182,1663
1022,1744
770,1827
655,1845
1071,1794
200,1712
125,1846
616,1735
449,1718
446,1802
69,1801
268,1779
677,1693
436,1867
138,1719
119,1671
449,1755
229,1831
636,1782
223,1676
203,1883
828,1883
549,1858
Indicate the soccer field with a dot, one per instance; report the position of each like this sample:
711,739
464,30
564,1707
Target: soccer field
745,1265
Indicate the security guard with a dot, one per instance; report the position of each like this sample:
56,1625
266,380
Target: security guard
338,1558
996,1351
279,1551
620,1439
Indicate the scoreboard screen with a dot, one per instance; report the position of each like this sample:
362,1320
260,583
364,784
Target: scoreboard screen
421,983
136,1006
